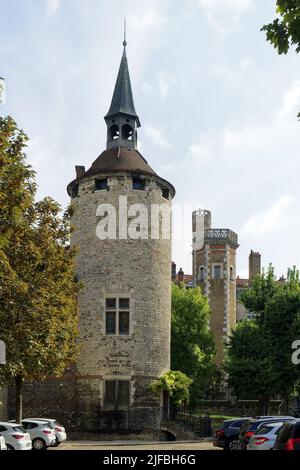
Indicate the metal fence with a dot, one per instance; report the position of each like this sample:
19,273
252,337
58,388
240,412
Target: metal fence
202,425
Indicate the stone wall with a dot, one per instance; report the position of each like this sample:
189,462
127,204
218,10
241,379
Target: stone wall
138,269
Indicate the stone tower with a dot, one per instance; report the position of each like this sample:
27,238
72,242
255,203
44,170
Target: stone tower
254,264
125,303
214,270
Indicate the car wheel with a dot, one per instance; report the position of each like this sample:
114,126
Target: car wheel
38,444
9,447
233,444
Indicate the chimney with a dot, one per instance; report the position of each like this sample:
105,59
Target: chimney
80,170
254,264
180,275
173,271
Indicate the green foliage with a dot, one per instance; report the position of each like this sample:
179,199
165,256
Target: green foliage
284,32
259,354
176,384
192,345
38,312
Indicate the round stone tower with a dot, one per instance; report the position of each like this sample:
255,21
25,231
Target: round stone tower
121,222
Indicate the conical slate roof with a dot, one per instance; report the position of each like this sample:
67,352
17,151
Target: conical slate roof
122,100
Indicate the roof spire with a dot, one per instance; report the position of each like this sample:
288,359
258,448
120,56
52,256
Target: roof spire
125,41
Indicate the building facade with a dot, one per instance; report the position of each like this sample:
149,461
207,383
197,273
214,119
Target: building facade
214,270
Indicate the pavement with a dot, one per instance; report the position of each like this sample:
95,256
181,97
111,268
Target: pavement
135,445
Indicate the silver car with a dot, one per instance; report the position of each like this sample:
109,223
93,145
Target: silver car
60,432
2,443
41,434
265,437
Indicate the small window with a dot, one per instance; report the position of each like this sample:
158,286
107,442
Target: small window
117,392
231,273
111,303
117,316
217,271
75,190
101,184
202,273
166,193
138,184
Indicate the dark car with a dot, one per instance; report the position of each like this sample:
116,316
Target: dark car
289,436
227,435
253,424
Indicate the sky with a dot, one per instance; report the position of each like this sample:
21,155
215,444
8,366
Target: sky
218,106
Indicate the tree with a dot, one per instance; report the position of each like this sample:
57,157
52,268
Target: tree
249,367
259,355
284,32
192,345
176,384
38,313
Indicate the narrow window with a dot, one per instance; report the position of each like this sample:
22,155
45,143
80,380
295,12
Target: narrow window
124,323
138,184
123,393
110,392
231,273
217,271
110,323
201,274
101,184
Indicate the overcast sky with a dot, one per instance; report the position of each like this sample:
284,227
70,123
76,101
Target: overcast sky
217,105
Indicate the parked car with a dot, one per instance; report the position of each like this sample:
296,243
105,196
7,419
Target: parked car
227,435
289,436
41,434
2,443
250,427
60,432
16,438
265,436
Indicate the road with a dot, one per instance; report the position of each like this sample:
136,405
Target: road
119,446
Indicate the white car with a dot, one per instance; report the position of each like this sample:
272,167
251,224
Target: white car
265,437
2,443
60,432
42,435
16,438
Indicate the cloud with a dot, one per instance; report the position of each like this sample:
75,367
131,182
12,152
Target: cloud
52,7
221,13
165,83
203,148
269,221
157,137
148,20
232,73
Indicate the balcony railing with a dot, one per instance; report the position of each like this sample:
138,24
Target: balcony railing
221,234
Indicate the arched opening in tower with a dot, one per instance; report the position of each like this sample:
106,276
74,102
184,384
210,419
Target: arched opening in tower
114,132
127,132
